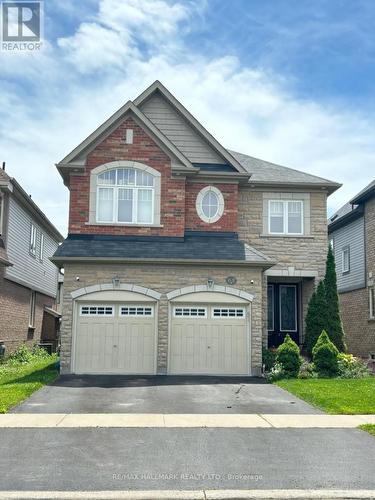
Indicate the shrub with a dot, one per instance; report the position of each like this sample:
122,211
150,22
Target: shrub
24,354
351,367
307,370
325,356
334,324
277,372
288,355
268,358
316,317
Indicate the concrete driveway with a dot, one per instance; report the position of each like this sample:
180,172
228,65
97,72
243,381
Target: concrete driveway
160,394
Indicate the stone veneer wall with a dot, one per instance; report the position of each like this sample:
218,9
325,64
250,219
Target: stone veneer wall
301,252
163,279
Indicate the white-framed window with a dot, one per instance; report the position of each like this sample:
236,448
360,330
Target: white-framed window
41,247
190,312
285,217
97,310
134,310
125,195
371,298
210,204
332,243
32,309
228,312
32,245
346,259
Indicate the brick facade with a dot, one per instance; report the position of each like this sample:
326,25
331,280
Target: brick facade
15,311
227,222
162,279
355,310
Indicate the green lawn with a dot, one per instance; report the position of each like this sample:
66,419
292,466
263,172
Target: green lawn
340,396
370,428
19,382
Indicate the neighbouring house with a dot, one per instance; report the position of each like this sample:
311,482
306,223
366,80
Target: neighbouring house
183,257
28,279
352,237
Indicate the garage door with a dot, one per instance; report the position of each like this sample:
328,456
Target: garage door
209,339
115,338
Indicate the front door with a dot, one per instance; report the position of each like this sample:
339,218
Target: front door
282,317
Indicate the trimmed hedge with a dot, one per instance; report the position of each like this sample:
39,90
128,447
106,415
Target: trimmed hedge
325,356
289,357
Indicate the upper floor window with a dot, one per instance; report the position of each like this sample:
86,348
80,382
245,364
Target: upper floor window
125,195
210,204
32,246
346,259
41,247
285,217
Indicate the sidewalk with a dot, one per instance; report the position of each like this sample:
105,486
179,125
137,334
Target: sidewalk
159,420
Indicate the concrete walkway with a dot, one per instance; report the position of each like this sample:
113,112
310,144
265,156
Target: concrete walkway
157,420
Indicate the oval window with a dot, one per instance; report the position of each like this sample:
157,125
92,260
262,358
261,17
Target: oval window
210,204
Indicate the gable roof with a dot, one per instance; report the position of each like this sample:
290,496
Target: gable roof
70,161
265,172
158,87
366,193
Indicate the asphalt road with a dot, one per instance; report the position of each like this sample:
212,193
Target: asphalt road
119,459
161,394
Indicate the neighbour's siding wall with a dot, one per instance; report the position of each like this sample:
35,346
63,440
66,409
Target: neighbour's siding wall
370,238
178,131
41,276
15,312
351,235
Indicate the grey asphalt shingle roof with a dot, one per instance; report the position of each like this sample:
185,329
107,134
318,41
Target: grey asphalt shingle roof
265,171
365,191
188,248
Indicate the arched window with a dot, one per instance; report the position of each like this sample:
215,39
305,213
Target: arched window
125,195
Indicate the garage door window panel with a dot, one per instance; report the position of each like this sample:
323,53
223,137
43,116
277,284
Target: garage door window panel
97,310
190,312
135,311
229,313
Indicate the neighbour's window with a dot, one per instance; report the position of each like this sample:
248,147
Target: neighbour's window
32,310
331,243
32,247
346,259
1,214
125,195
371,292
285,217
41,247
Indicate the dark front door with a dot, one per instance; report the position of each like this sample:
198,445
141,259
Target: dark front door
282,312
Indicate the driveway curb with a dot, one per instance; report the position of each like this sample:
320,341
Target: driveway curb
160,420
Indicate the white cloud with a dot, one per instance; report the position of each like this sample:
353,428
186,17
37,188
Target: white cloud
247,109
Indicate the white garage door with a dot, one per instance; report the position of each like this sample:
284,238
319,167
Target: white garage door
115,338
209,339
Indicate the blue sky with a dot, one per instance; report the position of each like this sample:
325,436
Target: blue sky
290,81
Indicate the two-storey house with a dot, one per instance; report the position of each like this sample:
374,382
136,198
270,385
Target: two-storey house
182,257
352,236
28,279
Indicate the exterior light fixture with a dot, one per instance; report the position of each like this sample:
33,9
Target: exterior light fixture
116,281
210,283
